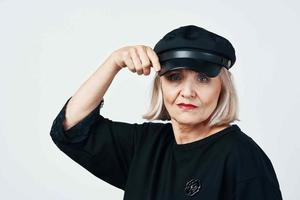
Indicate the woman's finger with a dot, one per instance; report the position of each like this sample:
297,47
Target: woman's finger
129,63
145,59
153,58
136,61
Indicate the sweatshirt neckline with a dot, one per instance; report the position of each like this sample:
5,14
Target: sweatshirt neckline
201,142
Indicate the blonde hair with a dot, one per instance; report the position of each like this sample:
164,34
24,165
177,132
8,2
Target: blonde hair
226,110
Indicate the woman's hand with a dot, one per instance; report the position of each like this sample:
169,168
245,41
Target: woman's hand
138,58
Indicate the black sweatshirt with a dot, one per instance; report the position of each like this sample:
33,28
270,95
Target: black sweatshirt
145,161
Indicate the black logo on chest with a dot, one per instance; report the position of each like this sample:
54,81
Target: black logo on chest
192,187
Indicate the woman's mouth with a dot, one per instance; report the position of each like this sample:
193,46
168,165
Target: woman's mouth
186,106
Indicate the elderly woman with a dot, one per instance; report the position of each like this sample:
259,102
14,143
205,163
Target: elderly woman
201,154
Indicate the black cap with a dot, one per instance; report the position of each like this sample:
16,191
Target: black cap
195,48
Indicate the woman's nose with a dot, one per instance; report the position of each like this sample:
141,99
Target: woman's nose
188,90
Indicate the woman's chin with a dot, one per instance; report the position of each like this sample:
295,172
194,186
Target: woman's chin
188,120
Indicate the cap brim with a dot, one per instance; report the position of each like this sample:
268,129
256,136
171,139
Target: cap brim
208,68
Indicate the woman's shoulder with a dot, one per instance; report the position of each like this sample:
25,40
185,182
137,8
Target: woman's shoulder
246,147
249,160
156,127
152,130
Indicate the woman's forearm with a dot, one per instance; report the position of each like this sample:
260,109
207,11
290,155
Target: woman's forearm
90,93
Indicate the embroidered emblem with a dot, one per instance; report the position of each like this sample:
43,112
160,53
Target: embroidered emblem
192,187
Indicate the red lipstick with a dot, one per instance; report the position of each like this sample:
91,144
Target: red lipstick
186,106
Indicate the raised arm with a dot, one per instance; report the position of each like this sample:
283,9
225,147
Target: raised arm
90,93
102,146
138,59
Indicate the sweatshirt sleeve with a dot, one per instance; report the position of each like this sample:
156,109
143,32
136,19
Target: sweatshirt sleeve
102,146
258,188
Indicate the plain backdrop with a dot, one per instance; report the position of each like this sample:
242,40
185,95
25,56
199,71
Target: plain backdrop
49,48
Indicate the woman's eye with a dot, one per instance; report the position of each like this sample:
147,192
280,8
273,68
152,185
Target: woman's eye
203,78
173,77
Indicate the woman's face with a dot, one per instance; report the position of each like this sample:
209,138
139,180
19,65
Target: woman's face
190,87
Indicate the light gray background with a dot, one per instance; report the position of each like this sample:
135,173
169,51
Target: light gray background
49,48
